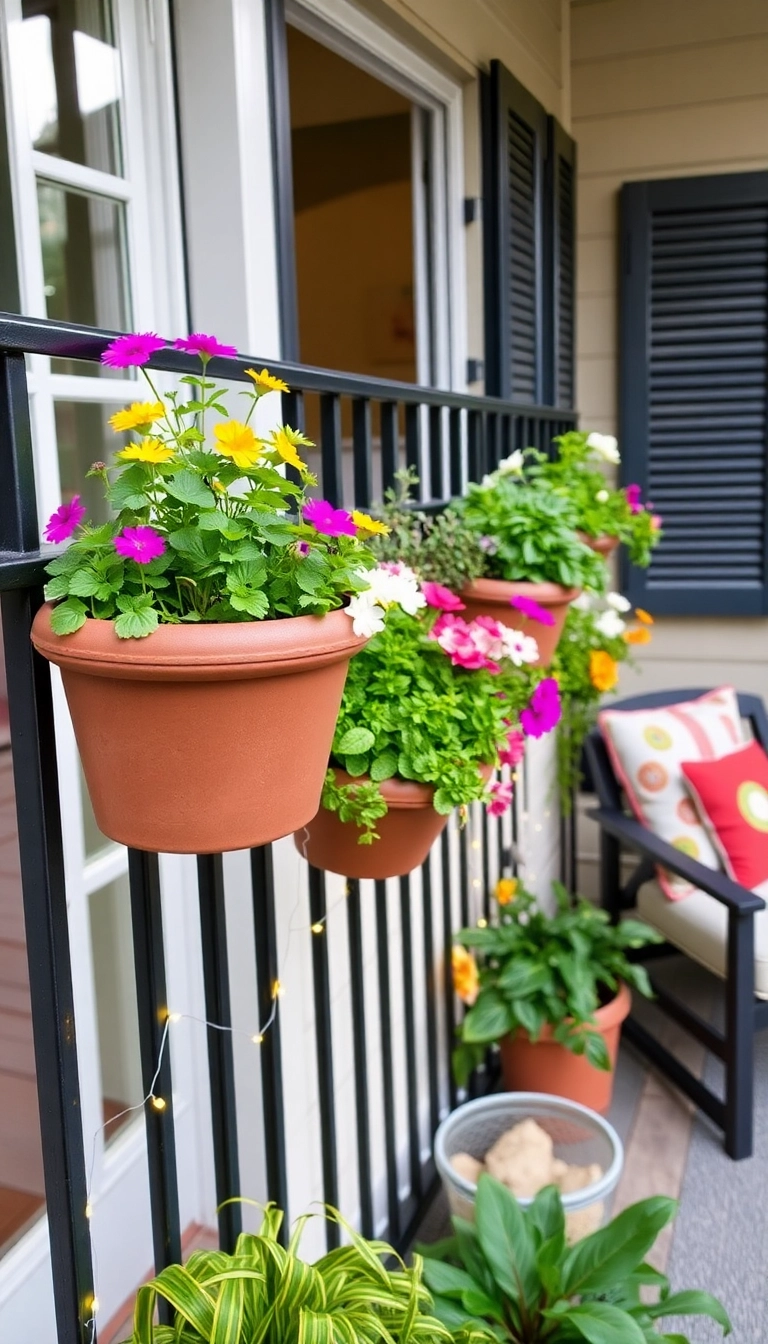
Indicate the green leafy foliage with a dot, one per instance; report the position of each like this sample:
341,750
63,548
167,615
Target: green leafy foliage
407,711
531,533
229,523
360,1293
440,548
512,1273
601,509
537,969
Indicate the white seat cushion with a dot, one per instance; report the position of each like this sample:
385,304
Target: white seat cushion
699,927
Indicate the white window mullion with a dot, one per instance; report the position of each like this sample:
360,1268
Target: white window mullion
79,176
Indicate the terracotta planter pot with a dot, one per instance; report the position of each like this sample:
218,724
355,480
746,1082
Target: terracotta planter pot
407,833
491,597
547,1066
604,545
203,738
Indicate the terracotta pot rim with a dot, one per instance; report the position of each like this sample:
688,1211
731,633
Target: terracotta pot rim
500,591
200,652
398,792
610,1015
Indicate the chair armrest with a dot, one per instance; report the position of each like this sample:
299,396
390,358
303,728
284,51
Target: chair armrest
716,884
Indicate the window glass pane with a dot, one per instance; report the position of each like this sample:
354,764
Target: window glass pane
83,437
94,840
72,81
115,986
85,263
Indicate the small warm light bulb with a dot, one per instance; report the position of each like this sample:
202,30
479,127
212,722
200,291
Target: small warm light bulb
318,927
475,844
257,1040
94,1305
482,923
515,776
547,815
88,1210
537,827
174,1017
476,882
159,1103
277,989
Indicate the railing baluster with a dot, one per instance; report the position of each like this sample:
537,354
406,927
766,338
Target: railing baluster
324,1046
265,934
409,1013
431,995
390,457
152,1007
221,1062
475,453
43,889
436,452
448,994
362,451
388,1079
360,1048
413,437
330,437
464,875
455,472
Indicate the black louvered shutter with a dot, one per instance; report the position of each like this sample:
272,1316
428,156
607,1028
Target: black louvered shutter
528,239
694,387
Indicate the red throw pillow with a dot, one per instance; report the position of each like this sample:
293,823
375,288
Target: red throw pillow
731,794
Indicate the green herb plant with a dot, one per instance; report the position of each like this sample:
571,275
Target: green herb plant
537,969
263,1293
439,547
529,534
513,1272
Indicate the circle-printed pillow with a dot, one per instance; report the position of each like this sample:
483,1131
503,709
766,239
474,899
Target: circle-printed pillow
731,795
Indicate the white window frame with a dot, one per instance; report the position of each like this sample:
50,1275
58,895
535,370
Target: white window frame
357,37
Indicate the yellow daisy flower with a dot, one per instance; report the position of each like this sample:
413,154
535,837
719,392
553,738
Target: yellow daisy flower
370,525
466,980
287,449
218,487
644,616
506,890
264,382
149,450
237,442
137,414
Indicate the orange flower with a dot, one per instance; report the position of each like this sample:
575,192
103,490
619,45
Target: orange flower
641,635
466,981
644,616
603,670
506,890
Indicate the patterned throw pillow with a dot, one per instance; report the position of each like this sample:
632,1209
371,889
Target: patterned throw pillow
647,748
731,796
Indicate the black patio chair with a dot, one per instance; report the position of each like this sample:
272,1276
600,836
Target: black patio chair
732,917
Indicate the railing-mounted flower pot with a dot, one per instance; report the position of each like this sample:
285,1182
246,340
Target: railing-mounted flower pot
604,544
407,832
492,597
203,738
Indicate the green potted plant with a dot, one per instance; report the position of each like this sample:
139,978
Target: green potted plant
202,633
432,706
438,547
552,990
535,565
596,640
513,1272
360,1293
605,516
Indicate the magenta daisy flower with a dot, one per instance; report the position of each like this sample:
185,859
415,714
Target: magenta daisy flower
544,711
331,522
633,494
141,544
197,343
527,607
131,350
64,520
442,598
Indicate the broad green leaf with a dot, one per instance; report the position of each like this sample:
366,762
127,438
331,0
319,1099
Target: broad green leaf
596,1050
506,1240
250,600
602,1323
488,1019
228,1316
356,765
605,1258
56,588
187,487
355,741
691,1303
136,624
68,616
447,1279
546,1213
522,977
384,766
215,520
189,541
84,583
186,1296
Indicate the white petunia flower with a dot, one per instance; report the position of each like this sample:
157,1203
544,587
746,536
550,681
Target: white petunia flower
618,601
388,584
512,465
367,616
488,482
583,602
606,447
520,648
610,624
602,496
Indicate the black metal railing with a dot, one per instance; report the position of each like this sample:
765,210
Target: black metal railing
450,438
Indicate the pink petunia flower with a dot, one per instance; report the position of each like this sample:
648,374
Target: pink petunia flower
442,598
64,520
499,798
464,644
656,521
514,751
331,522
197,343
129,351
633,494
544,710
527,607
142,544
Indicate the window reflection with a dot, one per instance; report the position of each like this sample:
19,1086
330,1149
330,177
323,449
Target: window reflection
72,81
84,436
